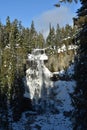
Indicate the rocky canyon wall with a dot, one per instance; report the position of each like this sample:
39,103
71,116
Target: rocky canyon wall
59,61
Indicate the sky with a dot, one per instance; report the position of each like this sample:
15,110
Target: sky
42,12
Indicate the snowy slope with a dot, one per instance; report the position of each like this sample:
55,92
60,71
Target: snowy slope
50,121
44,122
62,90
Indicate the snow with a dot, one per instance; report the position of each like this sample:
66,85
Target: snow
63,88
58,96
37,75
48,120
43,122
51,122
70,70
42,75
61,72
38,54
63,48
41,57
71,47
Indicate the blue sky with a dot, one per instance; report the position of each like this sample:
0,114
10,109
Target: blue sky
41,11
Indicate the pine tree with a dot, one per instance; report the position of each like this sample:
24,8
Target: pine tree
18,91
3,94
79,97
33,36
7,30
80,93
40,41
2,43
50,41
58,36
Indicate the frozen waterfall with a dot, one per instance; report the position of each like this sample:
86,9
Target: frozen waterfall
37,83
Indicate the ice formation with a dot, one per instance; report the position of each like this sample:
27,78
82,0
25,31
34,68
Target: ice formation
37,84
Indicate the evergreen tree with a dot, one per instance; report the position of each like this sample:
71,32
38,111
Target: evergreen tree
79,97
18,91
80,94
26,40
58,36
2,44
68,31
33,36
15,42
40,41
50,41
7,30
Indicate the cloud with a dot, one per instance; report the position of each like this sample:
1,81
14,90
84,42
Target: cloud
61,16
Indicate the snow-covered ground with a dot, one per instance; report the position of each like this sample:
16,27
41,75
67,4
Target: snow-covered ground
44,122
48,120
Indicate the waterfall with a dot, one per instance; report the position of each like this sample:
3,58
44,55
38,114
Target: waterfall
37,81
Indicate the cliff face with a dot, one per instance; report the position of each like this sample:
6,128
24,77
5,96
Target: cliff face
60,60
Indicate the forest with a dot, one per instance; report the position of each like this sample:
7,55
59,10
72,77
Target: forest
16,42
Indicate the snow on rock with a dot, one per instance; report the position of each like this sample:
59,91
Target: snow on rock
61,72
64,48
69,72
38,54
